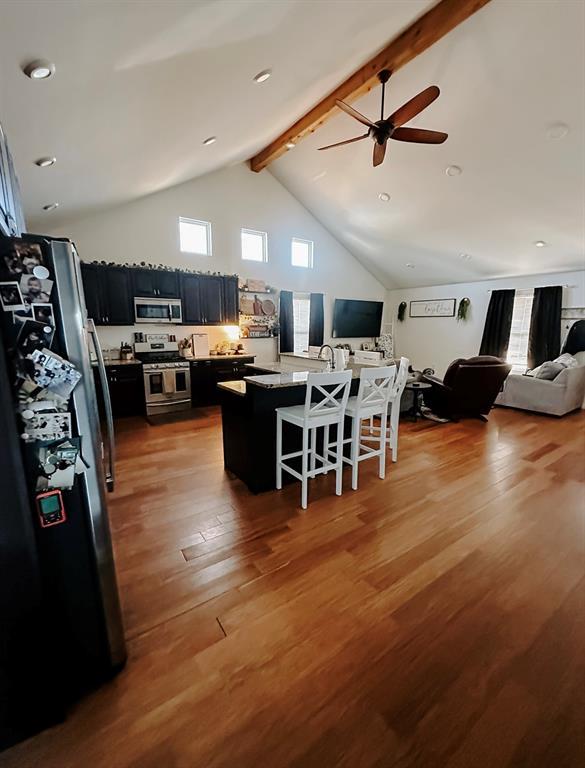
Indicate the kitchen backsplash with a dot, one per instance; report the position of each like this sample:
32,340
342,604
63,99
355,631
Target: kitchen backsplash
265,350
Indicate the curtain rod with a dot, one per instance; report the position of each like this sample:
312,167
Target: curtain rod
491,290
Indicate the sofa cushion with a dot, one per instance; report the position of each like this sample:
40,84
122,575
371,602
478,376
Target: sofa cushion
549,370
580,357
566,360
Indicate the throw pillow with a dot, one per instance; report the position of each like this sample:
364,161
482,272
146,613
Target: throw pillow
566,360
549,371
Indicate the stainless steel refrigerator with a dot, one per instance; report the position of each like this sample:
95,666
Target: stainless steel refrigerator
62,631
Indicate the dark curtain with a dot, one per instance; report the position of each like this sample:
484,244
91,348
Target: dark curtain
316,320
287,322
498,323
575,341
544,338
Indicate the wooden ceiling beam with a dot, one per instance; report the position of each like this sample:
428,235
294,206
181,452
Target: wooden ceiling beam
420,35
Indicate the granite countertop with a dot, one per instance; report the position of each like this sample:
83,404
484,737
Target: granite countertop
237,387
268,367
288,379
111,362
219,357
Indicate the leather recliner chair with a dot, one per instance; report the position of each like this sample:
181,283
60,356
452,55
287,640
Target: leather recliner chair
469,387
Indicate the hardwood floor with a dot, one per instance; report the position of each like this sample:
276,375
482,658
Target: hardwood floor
433,619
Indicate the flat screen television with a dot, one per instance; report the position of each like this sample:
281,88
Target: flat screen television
353,318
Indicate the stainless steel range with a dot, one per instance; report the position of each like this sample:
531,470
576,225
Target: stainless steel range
167,377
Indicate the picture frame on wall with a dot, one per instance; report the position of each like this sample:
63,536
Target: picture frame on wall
432,308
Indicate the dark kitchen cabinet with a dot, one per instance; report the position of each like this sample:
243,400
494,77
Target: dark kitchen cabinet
206,374
108,294
191,298
211,293
126,387
151,283
231,305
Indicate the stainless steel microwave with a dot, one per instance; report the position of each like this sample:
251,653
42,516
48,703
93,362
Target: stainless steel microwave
157,310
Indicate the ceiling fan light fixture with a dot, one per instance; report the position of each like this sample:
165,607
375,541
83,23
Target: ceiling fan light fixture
454,170
39,69
384,197
50,206
263,76
210,140
45,162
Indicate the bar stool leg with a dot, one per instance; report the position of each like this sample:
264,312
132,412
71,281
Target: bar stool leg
355,442
339,459
382,444
304,469
278,451
394,416
313,447
326,444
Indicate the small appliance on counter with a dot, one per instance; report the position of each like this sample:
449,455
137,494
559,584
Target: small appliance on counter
167,375
200,345
126,352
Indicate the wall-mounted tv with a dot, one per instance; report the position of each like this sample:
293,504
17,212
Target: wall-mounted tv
353,318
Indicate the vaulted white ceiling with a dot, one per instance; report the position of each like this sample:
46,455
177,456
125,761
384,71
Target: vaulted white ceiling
140,85
507,74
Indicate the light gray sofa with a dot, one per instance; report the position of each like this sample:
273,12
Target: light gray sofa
564,394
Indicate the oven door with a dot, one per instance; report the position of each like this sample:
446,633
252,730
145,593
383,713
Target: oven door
157,311
167,385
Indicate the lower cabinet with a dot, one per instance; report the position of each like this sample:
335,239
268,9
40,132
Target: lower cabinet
206,374
126,386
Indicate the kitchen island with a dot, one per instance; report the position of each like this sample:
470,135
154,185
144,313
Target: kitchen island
248,412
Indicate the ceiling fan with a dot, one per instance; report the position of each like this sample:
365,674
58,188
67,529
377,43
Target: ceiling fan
391,127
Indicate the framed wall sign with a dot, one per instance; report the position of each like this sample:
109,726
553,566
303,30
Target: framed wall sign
433,308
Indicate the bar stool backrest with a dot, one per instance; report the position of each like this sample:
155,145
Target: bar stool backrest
400,380
375,386
332,390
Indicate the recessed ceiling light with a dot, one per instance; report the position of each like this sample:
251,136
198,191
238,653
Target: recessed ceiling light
290,145
50,206
465,256
410,266
557,131
39,69
45,162
453,170
263,76
540,243
210,140
384,197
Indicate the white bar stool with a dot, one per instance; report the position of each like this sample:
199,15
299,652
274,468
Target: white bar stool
372,400
394,405
333,391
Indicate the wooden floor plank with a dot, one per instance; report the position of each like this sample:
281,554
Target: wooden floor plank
432,619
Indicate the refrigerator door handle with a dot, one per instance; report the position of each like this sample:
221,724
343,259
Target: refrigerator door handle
110,472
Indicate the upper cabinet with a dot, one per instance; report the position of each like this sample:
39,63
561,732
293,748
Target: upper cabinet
108,294
11,216
231,304
155,283
206,299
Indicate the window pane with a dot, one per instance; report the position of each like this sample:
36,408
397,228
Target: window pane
518,345
301,253
195,236
253,245
301,323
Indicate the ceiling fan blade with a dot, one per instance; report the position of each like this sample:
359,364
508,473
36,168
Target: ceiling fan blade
347,141
379,152
354,113
419,135
411,109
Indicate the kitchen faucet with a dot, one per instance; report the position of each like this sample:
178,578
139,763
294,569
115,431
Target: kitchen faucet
331,358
